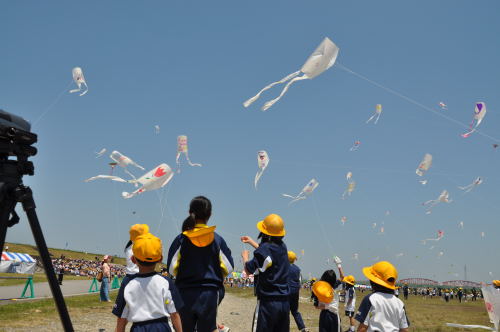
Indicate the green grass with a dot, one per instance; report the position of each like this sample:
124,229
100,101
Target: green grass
37,277
56,253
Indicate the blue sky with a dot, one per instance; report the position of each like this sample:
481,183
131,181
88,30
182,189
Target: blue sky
188,66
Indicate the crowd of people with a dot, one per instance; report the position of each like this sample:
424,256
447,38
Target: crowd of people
83,267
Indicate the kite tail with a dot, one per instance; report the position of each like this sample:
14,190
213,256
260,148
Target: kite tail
178,162
132,175
419,172
75,90
270,103
257,178
138,166
127,195
467,134
257,96
378,117
371,118
86,89
191,163
289,196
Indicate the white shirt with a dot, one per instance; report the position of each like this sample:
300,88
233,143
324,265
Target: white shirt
382,312
131,267
350,300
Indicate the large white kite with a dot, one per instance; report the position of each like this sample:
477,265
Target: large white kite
477,181
262,162
444,197
306,191
479,113
124,161
424,165
79,80
319,61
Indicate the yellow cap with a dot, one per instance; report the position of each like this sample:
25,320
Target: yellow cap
272,225
138,229
201,236
291,257
323,291
349,280
496,283
147,248
382,273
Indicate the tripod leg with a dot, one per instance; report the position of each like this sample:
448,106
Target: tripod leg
5,209
25,196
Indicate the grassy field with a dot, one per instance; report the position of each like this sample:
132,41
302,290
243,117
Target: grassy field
56,253
37,277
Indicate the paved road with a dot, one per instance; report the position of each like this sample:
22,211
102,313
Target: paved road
42,289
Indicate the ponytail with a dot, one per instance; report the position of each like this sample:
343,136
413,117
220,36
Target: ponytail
188,223
200,210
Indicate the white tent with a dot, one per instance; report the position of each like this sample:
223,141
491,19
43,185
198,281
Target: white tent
13,262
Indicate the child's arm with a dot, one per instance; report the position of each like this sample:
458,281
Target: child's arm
363,328
176,321
250,241
121,323
338,261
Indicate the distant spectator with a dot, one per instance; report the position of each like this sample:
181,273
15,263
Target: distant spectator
106,277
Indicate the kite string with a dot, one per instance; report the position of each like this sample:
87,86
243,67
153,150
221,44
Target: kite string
318,220
56,100
116,215
412,101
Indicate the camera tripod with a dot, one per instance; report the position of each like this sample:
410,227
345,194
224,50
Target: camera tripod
12,191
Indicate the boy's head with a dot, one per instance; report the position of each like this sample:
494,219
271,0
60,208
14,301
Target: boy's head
349,280
292,257
496,283
138,229
147,250
272,225
382,275
330,277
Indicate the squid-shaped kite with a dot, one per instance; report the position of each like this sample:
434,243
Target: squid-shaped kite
79,80
319,61
479,113
306,191
350,188
440,235
461,225
424,165
443,106
444,197
124,161
477,181
376,115
182,147
152,180
348,176
262,162
355,146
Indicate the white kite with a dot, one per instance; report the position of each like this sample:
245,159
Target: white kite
350,188
319,61
477,181
124,161
400,255
100,153
79,80
152,180
423,182
348,176
376,115
482,234
374,225
355,146
262,162
440,235
444,197
443,106
182,147
306,191
461,225
157,129
343,220
424,165
479,113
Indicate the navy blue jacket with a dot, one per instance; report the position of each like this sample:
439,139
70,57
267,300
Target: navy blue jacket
270,263
294,278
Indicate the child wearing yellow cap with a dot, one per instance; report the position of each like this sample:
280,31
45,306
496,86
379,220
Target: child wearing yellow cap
200,259
382,310
146,298
329,319
135,231
270,263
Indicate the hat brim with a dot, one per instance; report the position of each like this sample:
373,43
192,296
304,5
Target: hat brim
347,282
368,272
260,227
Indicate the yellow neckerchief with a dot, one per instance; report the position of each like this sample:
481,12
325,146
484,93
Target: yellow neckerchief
201,235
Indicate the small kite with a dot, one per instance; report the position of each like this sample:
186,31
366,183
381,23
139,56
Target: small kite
376,115
306,191
479,113
382,230
319,61
443,106
79,80
461,225
423,182
400,255
350,188
444,197
100,153
152,180
348,176
157,129
355,256
124,161
343,220
182,147
355,146
374,225
424,165
440,235
483,235
477,181
262,162
440,254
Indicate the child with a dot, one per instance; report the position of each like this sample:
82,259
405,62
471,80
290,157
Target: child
135,231
270,262
146,299
294,281
200,260
323,298
382,310
350,300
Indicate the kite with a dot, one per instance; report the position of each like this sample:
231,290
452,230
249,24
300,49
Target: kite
79,80
355,146
350,188
461,225
479,113
374,225
400,254
100,153
431,247
182,147
113,165
262,162
482,234
495,146
306,191
473,185
387,212
424,165
444,197
443,106
348,176
152,180
440,235
343,220
124,161
382,230
319,61
440,254
355,256
423,182
376,115
157,129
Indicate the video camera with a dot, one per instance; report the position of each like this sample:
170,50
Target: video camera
15,136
